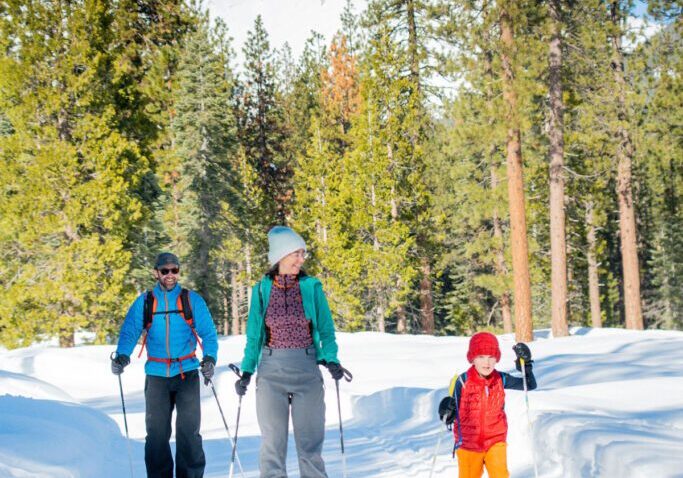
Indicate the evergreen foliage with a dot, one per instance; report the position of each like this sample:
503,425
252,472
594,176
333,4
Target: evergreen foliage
208,190
125,130
76,155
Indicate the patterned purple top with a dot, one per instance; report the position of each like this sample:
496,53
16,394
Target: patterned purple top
286,323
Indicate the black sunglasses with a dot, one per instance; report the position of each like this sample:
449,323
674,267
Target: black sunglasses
165,271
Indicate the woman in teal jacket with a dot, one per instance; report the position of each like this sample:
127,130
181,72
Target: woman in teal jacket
289,332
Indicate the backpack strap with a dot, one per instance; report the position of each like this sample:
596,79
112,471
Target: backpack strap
185,308
148,310
457,393
266,338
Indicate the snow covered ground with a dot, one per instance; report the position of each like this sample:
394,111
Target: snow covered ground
610,404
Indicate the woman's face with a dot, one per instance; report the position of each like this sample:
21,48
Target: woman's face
291,263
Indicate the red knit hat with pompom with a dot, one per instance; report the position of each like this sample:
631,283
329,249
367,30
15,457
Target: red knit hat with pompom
483,343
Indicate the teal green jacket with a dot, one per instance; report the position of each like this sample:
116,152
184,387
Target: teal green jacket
317,312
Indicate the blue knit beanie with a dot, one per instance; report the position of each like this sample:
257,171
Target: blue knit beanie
282,241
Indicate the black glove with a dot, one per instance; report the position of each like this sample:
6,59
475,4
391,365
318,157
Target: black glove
522,352
118,363
336,370
447,409
208,365
241,384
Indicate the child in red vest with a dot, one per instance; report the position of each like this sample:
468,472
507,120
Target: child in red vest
475,407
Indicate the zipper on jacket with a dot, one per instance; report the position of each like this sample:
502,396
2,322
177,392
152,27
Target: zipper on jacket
168,347
482,414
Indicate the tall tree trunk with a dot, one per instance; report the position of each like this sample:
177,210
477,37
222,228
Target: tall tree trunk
67,338
401,316
323,203
518,233
593,281
375,245
247,287
412,43
558,247
322,222
226,315
426,296
501,267
401,320
426,301
627,218
235,287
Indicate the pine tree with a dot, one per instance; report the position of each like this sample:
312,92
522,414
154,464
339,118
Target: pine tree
209,190
483,127
556,136
396,30
657,71
319,212
588,141
263,133
76,181
624,159
518,229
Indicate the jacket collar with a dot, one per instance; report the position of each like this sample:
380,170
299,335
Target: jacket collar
176,289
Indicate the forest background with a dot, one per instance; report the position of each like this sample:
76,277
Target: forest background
453,165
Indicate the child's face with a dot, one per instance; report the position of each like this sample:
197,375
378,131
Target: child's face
484,364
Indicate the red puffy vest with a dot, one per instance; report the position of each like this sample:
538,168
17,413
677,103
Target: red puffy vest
482,411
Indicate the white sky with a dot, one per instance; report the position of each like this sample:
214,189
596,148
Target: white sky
288,21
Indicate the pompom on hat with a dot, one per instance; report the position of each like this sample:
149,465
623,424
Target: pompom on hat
483,343
282,241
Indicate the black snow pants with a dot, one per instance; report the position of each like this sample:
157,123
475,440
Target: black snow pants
161,396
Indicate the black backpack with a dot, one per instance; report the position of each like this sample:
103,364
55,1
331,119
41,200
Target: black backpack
183,308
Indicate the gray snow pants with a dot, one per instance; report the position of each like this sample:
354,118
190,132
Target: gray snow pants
290,376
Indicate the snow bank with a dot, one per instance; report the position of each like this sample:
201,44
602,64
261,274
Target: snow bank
609,404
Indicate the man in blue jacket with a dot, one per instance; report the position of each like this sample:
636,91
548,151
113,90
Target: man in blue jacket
175,319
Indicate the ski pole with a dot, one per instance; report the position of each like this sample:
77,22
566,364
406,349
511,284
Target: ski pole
236,369
227,429
125,420
348,377
436,452
528,417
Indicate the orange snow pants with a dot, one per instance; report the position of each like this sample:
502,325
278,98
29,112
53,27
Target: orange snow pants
471,463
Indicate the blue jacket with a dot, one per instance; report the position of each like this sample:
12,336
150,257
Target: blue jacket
316,310
169,336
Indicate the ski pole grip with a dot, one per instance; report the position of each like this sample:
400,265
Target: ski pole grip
348,376
235,369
